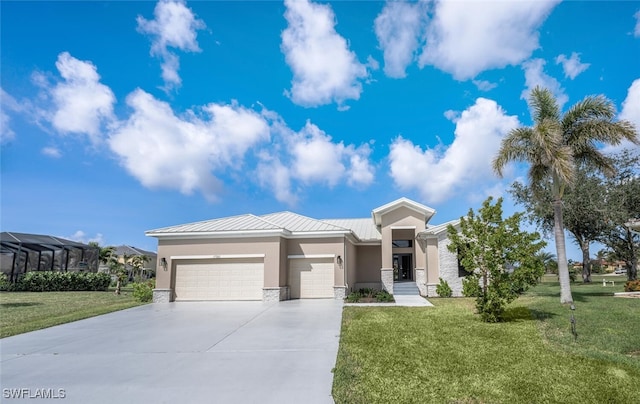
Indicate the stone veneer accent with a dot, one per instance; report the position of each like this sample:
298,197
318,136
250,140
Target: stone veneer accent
421,281
161,295
448,267
275,294
386,276
339,292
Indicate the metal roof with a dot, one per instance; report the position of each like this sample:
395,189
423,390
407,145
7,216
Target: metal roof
129,250
298,223
246,222
364,229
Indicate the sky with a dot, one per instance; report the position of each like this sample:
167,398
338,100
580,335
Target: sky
119,117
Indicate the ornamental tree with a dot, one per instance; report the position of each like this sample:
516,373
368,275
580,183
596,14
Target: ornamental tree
502,259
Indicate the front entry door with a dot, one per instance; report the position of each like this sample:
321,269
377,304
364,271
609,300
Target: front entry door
402,267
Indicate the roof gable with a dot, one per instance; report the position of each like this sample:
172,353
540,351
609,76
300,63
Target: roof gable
377,213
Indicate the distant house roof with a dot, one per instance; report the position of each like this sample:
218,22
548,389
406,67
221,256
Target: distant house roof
129,250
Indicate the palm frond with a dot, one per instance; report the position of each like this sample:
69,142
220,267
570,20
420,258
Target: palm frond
543,105
514,147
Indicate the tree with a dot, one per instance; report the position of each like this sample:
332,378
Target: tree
503,260
137,262
548,261
554,145
623,201
583,211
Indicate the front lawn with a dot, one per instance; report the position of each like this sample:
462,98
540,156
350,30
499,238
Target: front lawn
446,354
28,311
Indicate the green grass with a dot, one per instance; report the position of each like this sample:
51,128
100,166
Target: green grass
28,311
446,354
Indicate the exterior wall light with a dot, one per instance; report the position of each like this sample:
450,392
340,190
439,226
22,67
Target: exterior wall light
163,263
339,260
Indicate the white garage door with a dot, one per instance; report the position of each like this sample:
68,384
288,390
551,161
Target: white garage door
220,279
311,278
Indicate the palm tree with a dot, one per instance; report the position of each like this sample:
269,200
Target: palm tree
548,260
555,145
137,262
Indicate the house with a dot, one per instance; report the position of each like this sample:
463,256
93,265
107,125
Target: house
285,255
125,254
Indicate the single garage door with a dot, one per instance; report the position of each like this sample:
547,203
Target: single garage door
311,278
220,279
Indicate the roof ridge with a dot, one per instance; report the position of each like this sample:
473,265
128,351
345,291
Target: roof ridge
266,221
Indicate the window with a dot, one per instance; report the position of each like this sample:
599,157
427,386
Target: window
402,243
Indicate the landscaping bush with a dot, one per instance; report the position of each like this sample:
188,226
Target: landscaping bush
4,281
632,286
443,289
384,297
353,297
143,292
54,281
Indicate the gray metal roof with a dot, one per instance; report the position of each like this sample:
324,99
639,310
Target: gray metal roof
298,223
129,250
234,223
364,229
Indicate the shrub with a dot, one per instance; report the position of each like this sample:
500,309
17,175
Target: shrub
443,289
4,281
55,281
367,292
353,297
632,286
471,287
143,292
384,297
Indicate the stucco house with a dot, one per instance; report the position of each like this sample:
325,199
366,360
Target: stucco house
285,255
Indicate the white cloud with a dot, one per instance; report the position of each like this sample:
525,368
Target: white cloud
7,103
465,38
310,157
631,105
80,103
630,112
163,150
398,28
484,85
52,152
571,65
440,172
324,69
175,26
536,77
636,31
316,158
273,175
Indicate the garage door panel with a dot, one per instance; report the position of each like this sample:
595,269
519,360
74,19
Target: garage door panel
220,279
311,278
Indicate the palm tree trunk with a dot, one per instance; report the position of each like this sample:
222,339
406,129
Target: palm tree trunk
561,249
586,261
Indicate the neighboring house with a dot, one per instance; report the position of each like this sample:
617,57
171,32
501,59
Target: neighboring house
284,255
126,252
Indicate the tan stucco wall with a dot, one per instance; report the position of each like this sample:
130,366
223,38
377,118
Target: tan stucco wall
352,264
401,217
313,246
432,260
369,263
269,246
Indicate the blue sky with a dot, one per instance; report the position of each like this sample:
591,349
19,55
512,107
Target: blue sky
121,117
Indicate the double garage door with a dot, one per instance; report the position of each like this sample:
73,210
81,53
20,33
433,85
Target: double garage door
243,278
219,279
311,278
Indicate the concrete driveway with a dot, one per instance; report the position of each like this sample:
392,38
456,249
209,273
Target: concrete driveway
188,352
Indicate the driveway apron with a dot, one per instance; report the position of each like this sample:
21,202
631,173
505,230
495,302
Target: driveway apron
188,352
